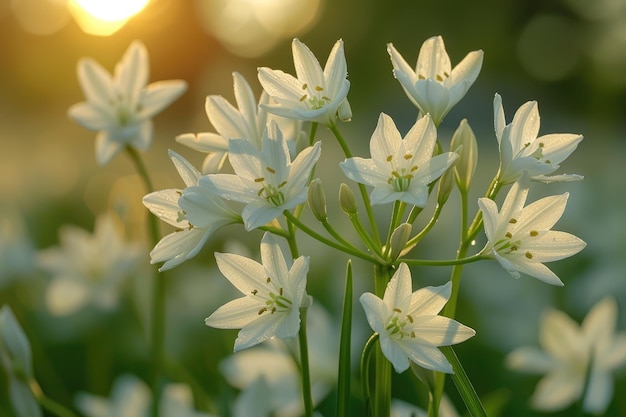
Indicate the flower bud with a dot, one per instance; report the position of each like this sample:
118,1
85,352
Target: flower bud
347,200
317,200
398,240
464,143
446,185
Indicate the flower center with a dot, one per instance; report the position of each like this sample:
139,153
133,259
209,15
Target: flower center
512,244
270,192
274,302
400,178
397,325
314,98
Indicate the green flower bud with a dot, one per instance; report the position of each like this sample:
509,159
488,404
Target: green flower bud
347,200
317,200
464,143
398,240
446,185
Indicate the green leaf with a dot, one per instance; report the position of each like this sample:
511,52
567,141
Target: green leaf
463,384
343,395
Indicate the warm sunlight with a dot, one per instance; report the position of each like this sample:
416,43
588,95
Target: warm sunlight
101,18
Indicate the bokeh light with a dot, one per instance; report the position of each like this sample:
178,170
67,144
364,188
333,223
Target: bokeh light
250,28
104,18
41,17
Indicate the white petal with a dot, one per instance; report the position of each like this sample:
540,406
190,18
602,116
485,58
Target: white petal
490,217
275,260
425,355
258,331
204,142
177,247
132,72
400,64
246,159
556,391
385,141
90,117
467,70
441,331
308,69
302,166
225,118
245,274
525,126
107,148
599,392
534,269
433,59
433,98
554,246
143,139
498,116
257,214
157,96
560,335
375,312
280,85
96,83
187,172
542,214
235,314
363,171
229,187
394,353
429,301
530,359
398,292
421,139
558,146
65,296
164,205
335,70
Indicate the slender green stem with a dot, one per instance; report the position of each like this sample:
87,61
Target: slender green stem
463,384
396,218
343,379
49,404
445,262
157,327
296,222
304,365
415,211
365,237
331,230
362,189
382,383
431,223
366,357
312,133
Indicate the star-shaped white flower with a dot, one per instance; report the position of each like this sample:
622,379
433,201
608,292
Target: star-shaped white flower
247,121
400,169
570,355
434,86
408,326
120,108
519,237
265,180
194,211
314,94
272,294
521,150
88,269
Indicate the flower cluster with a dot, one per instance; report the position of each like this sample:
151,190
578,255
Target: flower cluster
271,173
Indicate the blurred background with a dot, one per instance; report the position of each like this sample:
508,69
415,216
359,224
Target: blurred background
569,55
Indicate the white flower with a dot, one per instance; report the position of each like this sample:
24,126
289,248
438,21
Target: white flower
519,237
247,121
521,150
434,87
120,108
408,325
88,268
314,94
195,211
273,293
573,354
131,397
400,169
265,180
16,248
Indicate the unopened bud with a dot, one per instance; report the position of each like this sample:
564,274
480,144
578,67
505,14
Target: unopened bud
398,240
464,143
446,185
317,200
347,200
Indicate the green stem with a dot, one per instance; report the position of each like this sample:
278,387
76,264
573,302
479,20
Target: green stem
362,189
343,379
463,384
157,328
331,230
366,356
304,365
433,220
382,383
48,403
445,262
312,133
296,222
365,237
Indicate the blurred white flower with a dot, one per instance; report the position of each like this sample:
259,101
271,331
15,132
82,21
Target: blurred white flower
401,408
16,248
408,325
273,294
265,180
434,86
131,397
572,356
88,269
314,94
400,169
195,211
519,237
120,108
522,151
269,377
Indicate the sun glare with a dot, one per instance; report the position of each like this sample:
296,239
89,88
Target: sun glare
104,18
